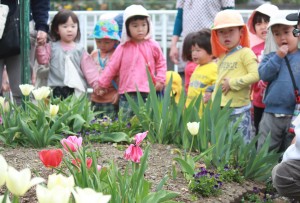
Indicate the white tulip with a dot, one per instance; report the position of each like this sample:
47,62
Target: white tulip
2,199
193,127
26,89
38,94
19,182
45,91
57,194
3,170
55,180
53,109
89,195
2,100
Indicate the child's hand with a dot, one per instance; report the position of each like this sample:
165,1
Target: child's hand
159,86
206,97
282,51
225,86
115,98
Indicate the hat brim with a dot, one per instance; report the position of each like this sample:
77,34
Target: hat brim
227,25
282,22
292,17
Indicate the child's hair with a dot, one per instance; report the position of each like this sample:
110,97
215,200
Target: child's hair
134,18
60,18
202,39
187,46
259,17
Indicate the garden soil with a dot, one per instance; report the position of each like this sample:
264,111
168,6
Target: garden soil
159,164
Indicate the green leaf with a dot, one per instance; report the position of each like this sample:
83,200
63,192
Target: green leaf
111,137
185,167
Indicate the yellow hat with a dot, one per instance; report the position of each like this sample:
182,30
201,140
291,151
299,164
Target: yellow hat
176,84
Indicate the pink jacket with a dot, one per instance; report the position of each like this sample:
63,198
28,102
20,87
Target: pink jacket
129,63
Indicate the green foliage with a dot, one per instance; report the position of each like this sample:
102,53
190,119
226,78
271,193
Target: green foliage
230,174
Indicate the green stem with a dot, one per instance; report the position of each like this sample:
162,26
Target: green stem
192,144
16,199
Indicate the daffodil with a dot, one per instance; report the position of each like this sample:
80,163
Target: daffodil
19,182
193,127
3,170
57,194
2,199
55,180
26,89
53,110
89,195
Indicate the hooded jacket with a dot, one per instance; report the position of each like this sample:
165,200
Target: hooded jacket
130,58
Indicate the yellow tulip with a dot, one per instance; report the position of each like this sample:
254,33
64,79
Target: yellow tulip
26,89
193,127
2,199
55,180
53,109
45,91
89,195
41,93
19,182
3,170
57,194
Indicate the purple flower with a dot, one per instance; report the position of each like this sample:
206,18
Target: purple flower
255,190
1,120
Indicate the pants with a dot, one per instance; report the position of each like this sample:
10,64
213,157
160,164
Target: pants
286,178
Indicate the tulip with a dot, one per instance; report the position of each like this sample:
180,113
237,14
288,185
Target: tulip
193,127
133,153
51,158
18,183
45,91
56,195
2,99
89,195
26,89
53,110
7,199
71,143
55,180
99,168
140,137
77,162
3,170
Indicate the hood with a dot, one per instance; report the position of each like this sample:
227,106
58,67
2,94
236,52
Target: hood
134,10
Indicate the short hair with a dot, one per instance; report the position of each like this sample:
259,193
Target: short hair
202,39
60,18
134,18
258,18
187,46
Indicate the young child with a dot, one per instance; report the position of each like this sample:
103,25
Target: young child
107,38
279,96
237,67
205,74
136,55
187,56
257,25
70,65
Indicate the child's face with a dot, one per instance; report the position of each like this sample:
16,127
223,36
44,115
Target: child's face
261,29
283,35
138,29
105,45
229,37
200,55
68,31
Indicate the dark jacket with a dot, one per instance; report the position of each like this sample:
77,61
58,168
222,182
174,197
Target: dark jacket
39,12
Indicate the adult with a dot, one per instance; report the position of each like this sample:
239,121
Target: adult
192,16
39,14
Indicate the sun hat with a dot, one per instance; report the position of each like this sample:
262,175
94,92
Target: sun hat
176,84
293,16
225,19
280,18
106,29
267,9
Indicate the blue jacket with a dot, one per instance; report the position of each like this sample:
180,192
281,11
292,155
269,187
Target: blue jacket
279,96
39,12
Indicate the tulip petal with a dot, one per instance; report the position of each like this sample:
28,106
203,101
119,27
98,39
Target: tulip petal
140,137
3,170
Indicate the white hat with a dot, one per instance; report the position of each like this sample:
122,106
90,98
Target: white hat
280,18
267,9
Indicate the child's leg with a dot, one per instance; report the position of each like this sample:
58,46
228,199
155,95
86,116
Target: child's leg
107,109
258,112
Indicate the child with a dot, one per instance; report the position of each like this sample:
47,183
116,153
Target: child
107,38
70,65
187,56
237,67
205,74
136,55
279,96
257,25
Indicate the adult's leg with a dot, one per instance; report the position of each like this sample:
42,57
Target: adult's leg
286,178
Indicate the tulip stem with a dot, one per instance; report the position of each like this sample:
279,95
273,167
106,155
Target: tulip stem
16,199
191,145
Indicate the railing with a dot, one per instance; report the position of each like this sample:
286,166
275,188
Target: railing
162,22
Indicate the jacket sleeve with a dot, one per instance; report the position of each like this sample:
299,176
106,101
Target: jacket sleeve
249,61
160,65
178,22
269,67
40,14
89,69
43,54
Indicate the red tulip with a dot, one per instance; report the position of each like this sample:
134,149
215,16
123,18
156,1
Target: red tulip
51,158
133,153
77,162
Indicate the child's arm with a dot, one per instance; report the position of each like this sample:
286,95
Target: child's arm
269,67
43,54
89,69
160,66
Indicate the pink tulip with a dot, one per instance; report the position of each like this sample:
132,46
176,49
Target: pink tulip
71,143
133,153
99,167
140,137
